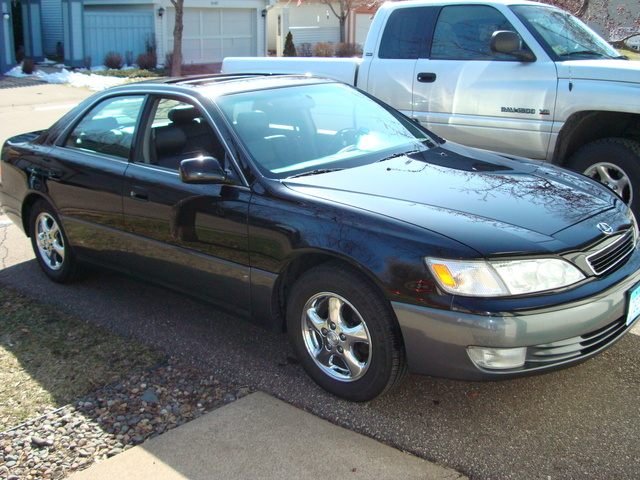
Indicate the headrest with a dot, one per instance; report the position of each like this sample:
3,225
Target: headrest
183,114
252,124
170,139
103,124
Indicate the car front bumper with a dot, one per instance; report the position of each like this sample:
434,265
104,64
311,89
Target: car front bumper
436,341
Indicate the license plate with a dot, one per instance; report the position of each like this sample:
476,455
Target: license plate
634,305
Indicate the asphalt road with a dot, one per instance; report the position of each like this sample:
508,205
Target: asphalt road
580,423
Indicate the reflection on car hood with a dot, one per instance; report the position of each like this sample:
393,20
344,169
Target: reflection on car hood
486,201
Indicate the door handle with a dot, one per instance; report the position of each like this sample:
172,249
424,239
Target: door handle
426,77
141,196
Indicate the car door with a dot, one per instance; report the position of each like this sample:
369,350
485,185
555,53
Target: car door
186,236
85,172
468,94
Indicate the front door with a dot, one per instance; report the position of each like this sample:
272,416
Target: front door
190,237
468,94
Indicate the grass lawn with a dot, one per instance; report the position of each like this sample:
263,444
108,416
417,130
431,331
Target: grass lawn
48,358
633,55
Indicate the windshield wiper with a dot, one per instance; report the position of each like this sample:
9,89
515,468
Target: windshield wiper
316,172
585,52
401,154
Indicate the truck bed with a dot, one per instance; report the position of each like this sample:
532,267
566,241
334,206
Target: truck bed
341,69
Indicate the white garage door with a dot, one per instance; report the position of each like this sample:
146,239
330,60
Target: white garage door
210,34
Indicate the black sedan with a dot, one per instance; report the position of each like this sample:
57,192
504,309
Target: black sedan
309,207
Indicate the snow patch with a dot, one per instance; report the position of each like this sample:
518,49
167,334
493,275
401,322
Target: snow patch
93,82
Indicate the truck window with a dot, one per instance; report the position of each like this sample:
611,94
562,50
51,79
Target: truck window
407,33
463,32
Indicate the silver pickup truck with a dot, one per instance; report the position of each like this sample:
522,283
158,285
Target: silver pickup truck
517,77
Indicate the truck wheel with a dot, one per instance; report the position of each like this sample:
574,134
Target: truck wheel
615,162
345,333
50,244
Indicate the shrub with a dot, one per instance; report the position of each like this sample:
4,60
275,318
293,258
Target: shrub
323,49
168,62
20,54
113,60
305,49
28,66
147,60
87,62
289,47
348,50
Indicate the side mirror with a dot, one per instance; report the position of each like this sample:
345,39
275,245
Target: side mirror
202,170
508,42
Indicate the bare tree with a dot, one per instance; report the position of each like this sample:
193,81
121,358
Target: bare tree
609,14
176,62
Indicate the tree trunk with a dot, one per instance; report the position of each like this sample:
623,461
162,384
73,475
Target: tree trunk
176,62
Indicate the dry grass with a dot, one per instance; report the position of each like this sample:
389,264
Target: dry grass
48,359
633,55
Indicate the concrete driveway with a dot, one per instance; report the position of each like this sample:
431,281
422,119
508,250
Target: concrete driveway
579,423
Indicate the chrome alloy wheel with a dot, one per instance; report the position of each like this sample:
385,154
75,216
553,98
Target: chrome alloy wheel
613,177
336,337
50,242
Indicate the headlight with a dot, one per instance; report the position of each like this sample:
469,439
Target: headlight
502,278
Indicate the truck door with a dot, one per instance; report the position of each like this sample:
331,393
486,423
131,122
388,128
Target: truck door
468,94
406,37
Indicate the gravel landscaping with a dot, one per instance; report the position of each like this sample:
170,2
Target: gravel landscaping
110,421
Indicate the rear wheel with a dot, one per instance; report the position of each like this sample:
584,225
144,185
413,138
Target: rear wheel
50,245
614,162
345,333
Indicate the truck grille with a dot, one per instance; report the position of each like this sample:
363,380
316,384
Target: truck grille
613,255
584,345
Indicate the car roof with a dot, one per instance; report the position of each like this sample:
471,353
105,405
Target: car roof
214,85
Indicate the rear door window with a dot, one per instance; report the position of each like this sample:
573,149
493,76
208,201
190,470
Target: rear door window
109,127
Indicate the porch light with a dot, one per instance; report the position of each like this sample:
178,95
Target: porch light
161,11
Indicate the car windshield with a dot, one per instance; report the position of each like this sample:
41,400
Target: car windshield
565,35
312,129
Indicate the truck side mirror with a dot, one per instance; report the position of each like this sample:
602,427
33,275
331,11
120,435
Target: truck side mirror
202,170
508,42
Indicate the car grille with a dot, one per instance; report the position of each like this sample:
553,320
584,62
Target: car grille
614,254
584,345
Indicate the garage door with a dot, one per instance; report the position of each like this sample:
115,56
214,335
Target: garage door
121,32
210,34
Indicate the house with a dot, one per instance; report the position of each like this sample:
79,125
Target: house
86,30
313,22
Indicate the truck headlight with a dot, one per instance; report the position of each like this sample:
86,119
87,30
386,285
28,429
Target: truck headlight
479,278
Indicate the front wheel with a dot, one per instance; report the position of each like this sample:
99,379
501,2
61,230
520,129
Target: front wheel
50,245
614,162
345,333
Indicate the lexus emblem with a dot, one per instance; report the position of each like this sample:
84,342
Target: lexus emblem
605,228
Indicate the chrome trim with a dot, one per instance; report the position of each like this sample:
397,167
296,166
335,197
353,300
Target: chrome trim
619,250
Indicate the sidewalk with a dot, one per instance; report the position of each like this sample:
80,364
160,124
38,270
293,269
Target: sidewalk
260,437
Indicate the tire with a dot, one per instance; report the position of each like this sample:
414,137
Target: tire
50,244
615,162
356,352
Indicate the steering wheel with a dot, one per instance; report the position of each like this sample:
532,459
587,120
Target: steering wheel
343,140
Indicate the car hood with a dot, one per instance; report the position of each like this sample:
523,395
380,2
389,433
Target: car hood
605,70
491,203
